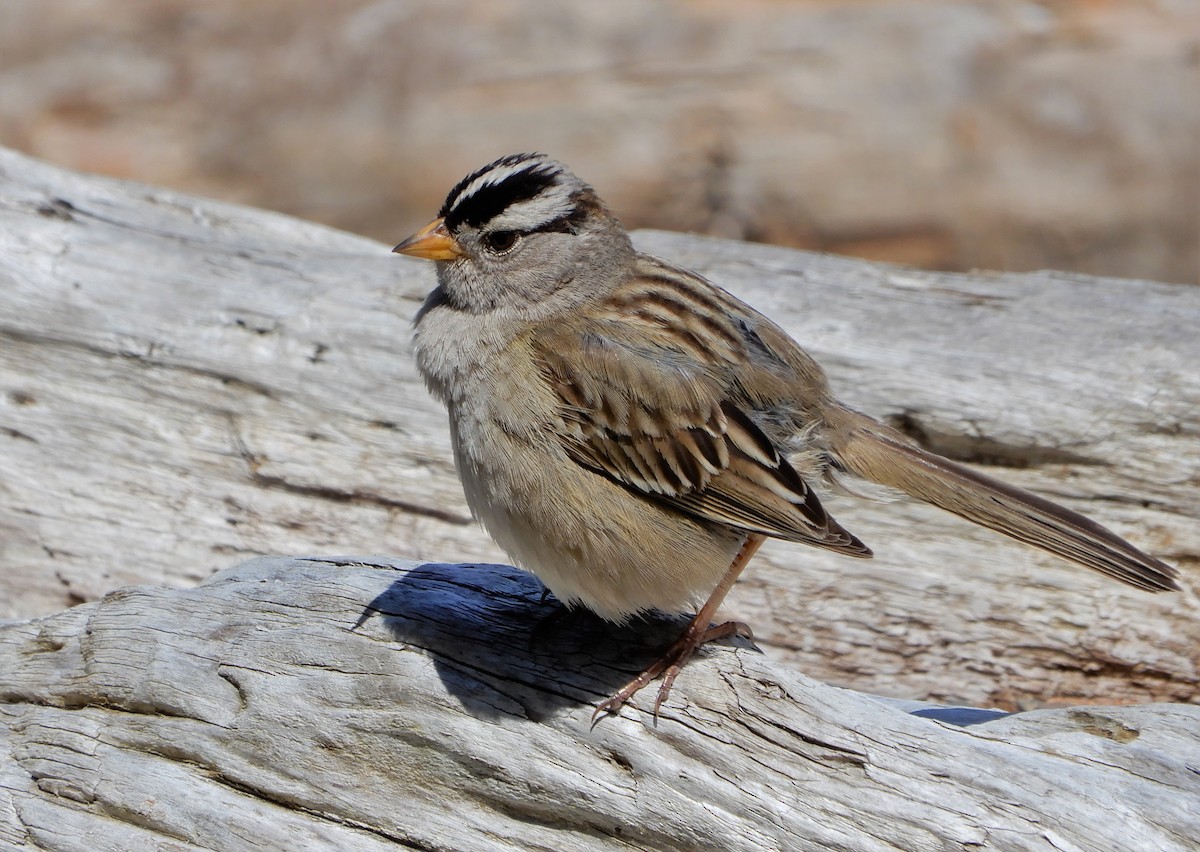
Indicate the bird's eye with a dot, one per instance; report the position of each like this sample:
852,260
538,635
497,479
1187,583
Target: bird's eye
500,241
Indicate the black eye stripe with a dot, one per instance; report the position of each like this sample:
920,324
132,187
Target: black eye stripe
568,224
502,241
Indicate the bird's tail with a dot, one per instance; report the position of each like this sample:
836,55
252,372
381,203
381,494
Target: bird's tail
868,449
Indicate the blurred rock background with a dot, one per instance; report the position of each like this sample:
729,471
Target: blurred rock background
950,135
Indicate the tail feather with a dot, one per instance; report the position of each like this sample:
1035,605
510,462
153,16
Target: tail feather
877,456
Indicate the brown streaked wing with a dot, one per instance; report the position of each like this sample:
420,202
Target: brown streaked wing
684,443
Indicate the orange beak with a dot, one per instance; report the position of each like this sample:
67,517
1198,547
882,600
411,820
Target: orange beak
433,242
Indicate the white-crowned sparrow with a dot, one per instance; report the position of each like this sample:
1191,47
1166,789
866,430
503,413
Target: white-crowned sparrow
631,433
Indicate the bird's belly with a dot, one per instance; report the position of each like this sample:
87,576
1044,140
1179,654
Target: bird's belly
589,540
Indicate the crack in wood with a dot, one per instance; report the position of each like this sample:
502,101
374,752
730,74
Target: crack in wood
980,449
254,462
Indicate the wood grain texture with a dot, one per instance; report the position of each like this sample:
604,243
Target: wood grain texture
185,384
341,703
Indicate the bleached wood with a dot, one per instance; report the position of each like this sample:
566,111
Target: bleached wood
184,384
352,704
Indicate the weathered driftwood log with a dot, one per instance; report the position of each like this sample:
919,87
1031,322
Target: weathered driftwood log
185,383
345,704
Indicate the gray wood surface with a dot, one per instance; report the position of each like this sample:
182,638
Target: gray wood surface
339,703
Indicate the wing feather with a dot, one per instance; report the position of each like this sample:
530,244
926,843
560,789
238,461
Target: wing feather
657,423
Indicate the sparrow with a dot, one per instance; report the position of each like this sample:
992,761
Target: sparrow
631,433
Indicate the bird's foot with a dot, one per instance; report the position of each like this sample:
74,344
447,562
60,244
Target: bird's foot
670,664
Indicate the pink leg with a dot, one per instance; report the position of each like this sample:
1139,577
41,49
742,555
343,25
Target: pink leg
698,632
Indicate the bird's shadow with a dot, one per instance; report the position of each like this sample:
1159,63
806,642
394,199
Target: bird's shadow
500,645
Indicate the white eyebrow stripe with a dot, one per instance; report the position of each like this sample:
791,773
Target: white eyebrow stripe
552,203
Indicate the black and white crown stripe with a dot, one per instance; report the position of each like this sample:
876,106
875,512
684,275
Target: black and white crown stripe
520,192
